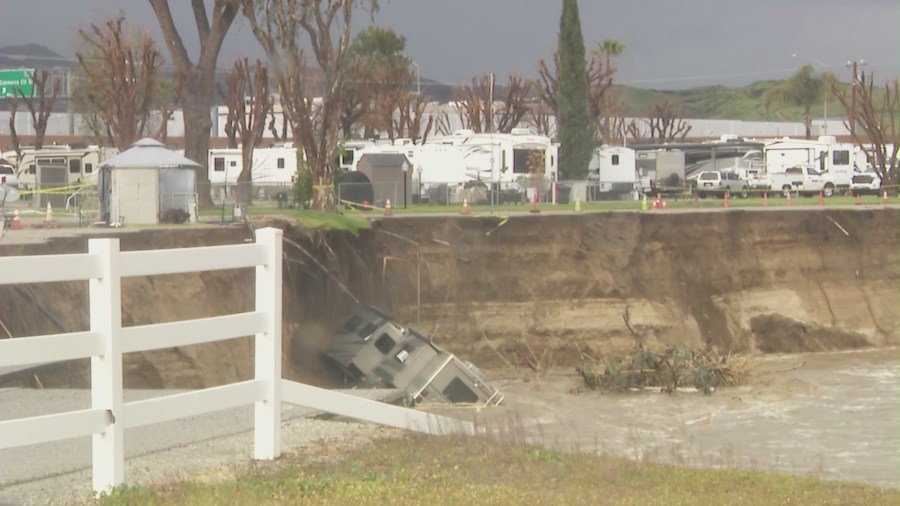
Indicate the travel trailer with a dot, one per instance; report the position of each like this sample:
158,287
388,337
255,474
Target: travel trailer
81,163
469,156
836,159
372,350
275,165
611,173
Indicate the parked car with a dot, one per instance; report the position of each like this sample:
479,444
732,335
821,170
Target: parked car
865,182
720,181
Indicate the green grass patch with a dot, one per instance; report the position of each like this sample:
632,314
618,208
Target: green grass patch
416,469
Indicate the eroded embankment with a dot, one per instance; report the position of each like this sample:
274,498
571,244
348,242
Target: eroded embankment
556,286
493,291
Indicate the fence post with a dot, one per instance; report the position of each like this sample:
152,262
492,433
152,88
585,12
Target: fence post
108,456
267,413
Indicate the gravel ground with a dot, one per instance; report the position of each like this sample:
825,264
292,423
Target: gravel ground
205,447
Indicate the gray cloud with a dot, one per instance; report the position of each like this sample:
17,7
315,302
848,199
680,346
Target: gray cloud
668,44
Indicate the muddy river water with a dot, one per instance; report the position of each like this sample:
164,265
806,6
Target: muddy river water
831,415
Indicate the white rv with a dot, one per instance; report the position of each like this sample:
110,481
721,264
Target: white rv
612,172
81,163
275,165
836,159
467,156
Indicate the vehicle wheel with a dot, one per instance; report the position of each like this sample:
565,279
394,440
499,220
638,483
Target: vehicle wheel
745,192
828,191
786,189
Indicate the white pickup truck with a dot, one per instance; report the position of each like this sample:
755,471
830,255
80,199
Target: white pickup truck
803,180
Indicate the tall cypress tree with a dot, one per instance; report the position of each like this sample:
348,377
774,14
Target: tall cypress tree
572,117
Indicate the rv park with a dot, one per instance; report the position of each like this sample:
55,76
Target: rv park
249,287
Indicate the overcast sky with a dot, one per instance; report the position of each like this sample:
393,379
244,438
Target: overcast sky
668,44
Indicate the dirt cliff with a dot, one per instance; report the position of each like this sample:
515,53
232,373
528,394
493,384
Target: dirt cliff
497,292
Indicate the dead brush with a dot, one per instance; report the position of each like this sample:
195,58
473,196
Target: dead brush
668,369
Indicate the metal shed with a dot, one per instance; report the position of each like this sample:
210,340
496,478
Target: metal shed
390,175
146,181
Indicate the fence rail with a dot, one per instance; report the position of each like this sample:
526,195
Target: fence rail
103,267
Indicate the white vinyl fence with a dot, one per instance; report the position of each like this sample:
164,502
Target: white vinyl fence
103,267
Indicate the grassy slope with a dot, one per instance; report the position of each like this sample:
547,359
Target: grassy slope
435,470
720,102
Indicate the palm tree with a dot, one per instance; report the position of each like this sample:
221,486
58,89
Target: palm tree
610,48
803,89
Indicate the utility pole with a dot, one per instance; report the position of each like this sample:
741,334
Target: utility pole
854,83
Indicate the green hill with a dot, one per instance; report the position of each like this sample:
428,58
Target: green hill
719,102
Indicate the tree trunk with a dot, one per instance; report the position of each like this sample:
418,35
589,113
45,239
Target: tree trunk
196,105
245,178
323,198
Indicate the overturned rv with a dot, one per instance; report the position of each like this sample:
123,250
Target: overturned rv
372,350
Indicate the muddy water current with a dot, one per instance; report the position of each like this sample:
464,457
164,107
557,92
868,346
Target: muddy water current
835,416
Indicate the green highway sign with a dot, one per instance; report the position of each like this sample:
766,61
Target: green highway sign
14,81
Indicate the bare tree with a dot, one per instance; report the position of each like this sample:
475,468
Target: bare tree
879,123
248,101
17,144
666,122
410,113
481,111
388,84
279,135
278,26
540,119
45,89
167,101
601,77
196,81
121,70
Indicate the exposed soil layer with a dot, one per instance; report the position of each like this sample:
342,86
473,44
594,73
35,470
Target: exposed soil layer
546,289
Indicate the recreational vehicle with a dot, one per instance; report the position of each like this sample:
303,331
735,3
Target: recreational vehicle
275,165
373,350
836,159
81,163
611,173
58,168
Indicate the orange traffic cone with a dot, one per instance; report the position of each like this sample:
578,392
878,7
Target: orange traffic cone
884,200
465,209
858,199
16,223
663,203
821,199
765,199
388,210
725,202
48,218
788,202
534,204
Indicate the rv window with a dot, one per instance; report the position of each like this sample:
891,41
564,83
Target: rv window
75,166
32,169
281,163
218,164
458,391
385,343
88,168
615,159
232,163
347,158
840,158
352,323
367,330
